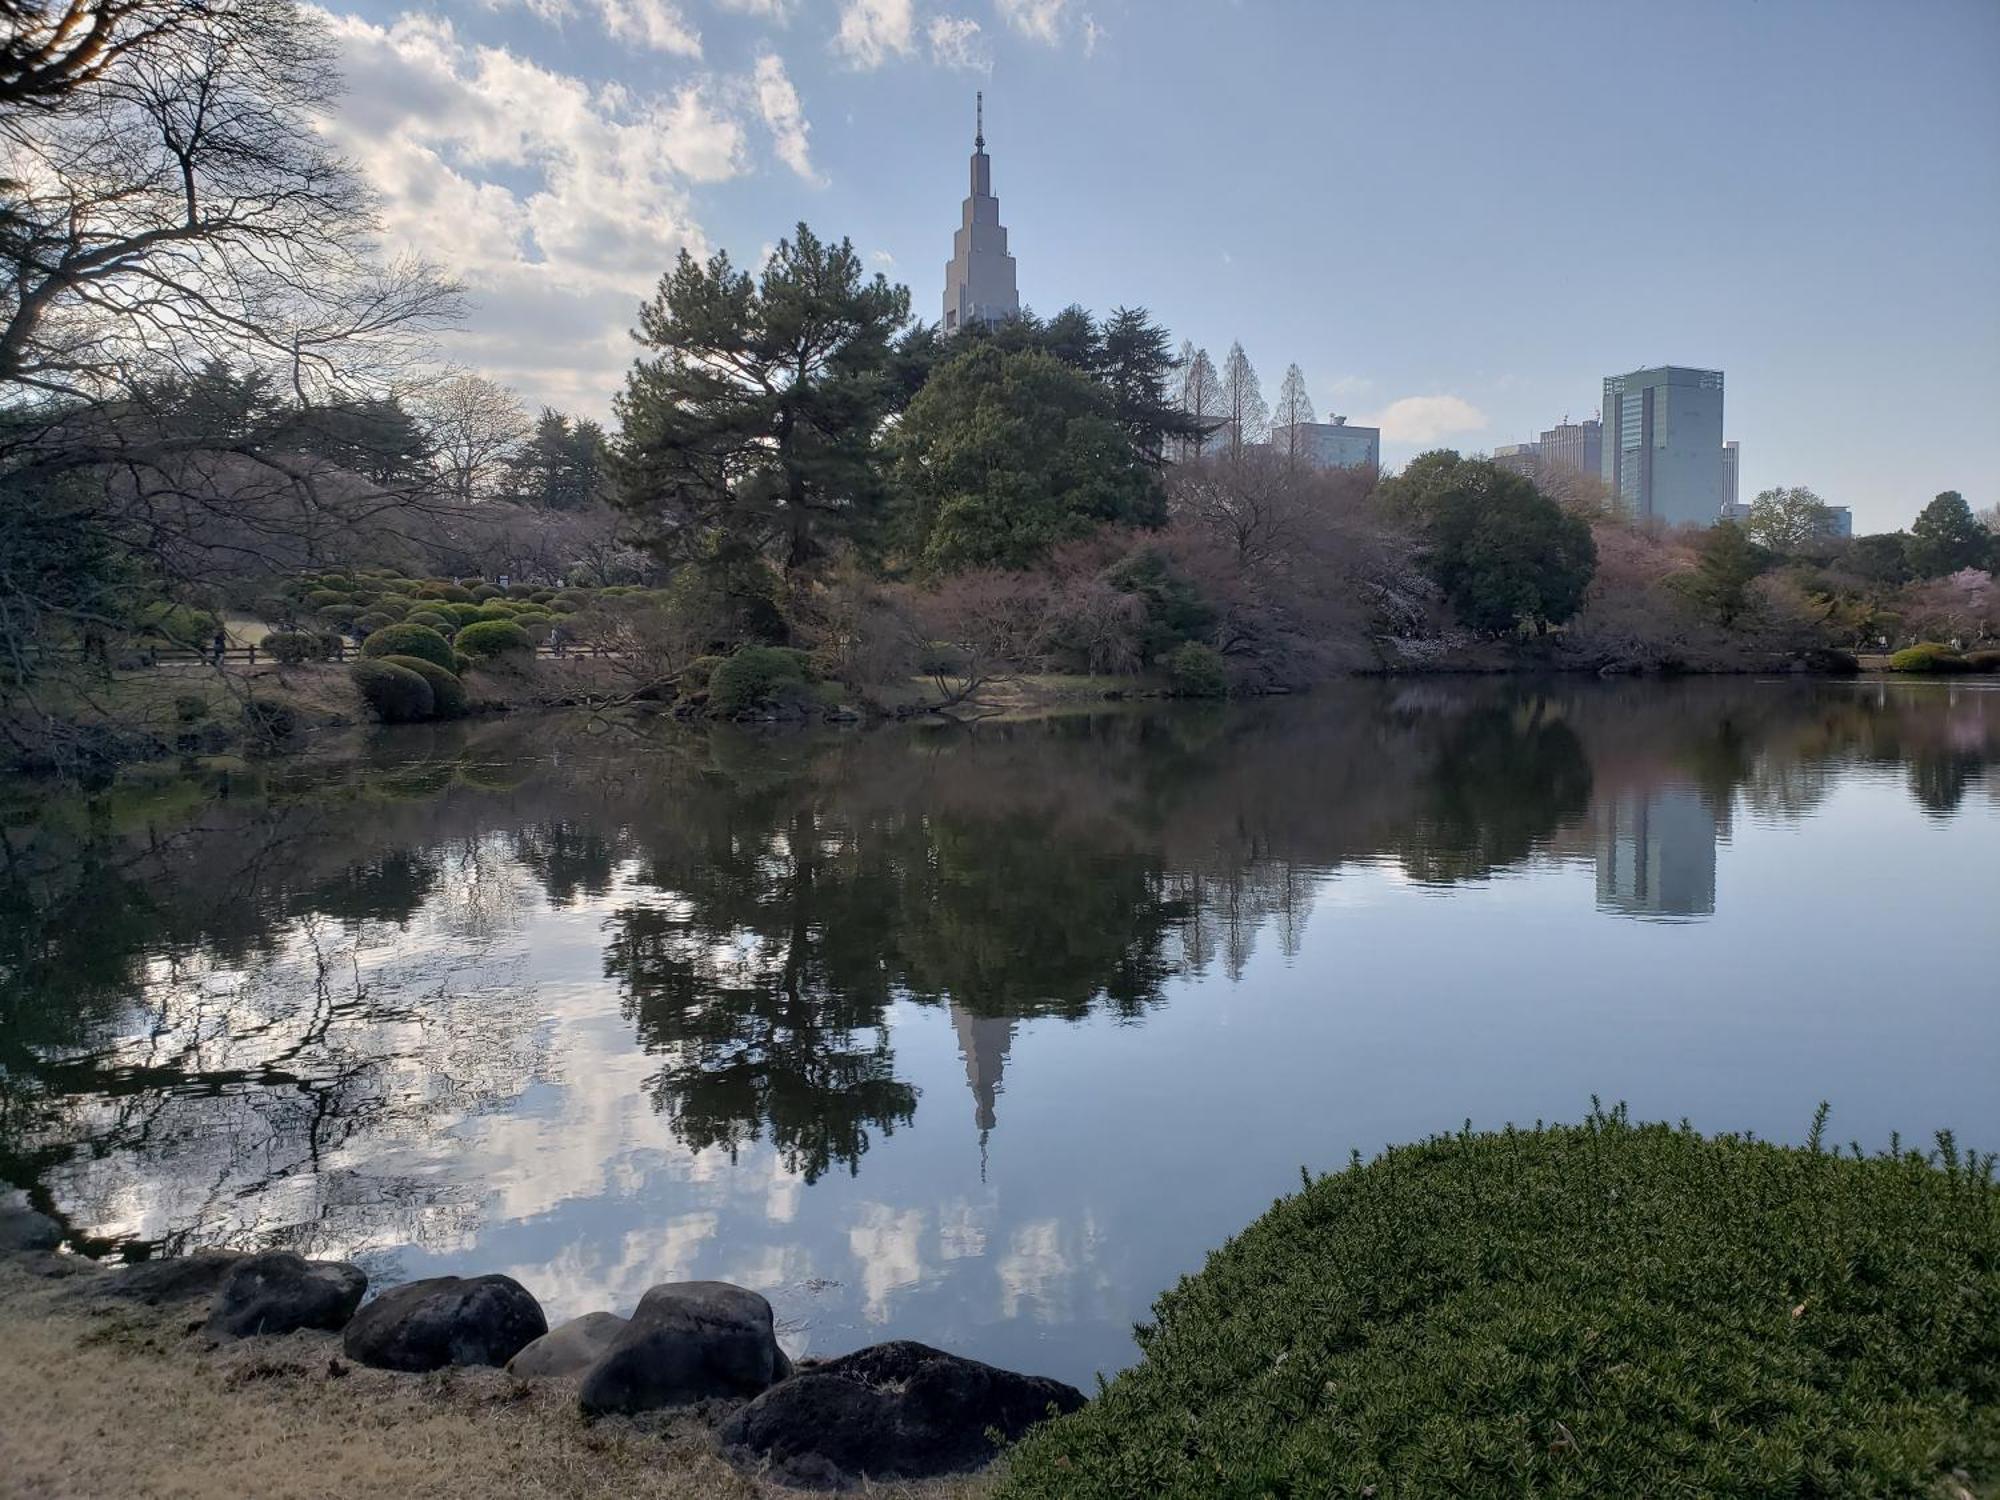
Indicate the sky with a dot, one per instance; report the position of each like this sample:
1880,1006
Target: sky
1457,216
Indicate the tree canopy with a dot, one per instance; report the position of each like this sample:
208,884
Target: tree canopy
1004,454
1787,519
756,416
1946,536
1505,554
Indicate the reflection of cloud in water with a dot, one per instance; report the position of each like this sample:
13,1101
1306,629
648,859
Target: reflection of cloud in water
888,1244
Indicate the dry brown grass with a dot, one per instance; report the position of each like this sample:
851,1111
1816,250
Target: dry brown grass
102,1402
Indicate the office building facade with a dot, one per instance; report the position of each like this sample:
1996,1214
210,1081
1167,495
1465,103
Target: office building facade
1333,444
1662,444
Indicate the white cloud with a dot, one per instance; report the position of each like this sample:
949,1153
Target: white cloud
872,30
558,202
1050,21
778,103
957,42
771,10
882,257
1425,419
656,24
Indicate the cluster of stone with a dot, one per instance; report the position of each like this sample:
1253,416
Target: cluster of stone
899,1410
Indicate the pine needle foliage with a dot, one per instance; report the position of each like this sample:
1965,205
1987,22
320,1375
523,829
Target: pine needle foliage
1590,1310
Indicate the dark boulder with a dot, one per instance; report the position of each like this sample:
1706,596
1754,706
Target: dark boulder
23,1229
900,1410
179,1278
569,1348
279,1292
687,1341
426,1325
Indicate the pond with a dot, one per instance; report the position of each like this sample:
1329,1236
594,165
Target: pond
980,1036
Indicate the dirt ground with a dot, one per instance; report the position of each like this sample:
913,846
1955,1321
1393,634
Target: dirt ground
100,1401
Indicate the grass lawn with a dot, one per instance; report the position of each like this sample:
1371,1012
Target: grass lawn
1599,1310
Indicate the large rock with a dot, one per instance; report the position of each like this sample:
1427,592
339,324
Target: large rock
426,1325
23,1229
899,1410
279,1292
687,1341
569,1348
179,1278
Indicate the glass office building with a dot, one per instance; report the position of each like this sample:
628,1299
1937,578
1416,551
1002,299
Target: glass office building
1662,453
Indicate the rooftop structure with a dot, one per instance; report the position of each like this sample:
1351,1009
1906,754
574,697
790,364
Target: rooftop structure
979,281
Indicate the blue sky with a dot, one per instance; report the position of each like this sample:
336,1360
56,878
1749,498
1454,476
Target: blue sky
1457,217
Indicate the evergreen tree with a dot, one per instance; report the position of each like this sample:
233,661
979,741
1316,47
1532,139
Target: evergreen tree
751,430
563,465
1073,337
1729,564
1946,536
1138,368
1787,519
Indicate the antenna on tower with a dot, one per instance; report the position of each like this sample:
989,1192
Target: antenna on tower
979,121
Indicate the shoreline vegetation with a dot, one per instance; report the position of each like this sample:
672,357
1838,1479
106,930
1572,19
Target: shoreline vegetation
1605,1308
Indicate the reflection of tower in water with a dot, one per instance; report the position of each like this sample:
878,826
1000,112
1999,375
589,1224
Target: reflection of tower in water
983,1042
1656,853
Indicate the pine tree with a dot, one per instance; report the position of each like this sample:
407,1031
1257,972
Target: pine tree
1138,367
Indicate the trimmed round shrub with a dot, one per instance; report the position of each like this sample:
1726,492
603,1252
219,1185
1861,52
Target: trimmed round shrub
409,640
490,638
756,677
290,647
1983,661
471,583
321,598
331,643
448,700
1196,671
1831,661
461,663
1599,1309
464,614
190,708
372,620
395,694
450,592
495,609
532,616
338,614
1927,656
695,676
521,591
482,592
403,586
542,596
433,619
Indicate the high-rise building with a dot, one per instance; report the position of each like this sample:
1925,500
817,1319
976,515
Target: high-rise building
1574,445
1332,444
1524,459
979,281
1663,444
1730,470
1656,853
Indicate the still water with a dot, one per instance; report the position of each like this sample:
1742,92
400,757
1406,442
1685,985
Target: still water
979,1036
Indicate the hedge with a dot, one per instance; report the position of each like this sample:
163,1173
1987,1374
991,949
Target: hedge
490,638
1927,656
1591,1310
1196,671
409,640
756,677
396,694
290,647
448,700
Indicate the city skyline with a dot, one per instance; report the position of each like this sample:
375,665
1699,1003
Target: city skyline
1789,160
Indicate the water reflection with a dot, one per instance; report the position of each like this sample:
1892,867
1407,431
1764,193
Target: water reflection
610,1010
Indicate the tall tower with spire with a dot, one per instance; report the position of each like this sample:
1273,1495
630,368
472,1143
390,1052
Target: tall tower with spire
979,281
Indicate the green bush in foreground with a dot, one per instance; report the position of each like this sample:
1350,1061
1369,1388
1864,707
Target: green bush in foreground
491,638
409,640
1592,1310
396,694
1927,656
448,700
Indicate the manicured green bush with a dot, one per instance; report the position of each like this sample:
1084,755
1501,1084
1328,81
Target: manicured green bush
521,591
1196,671
371,620
542,596
496,609
461,663
1831,661
491,638
396,694
696,674
1983,661
442,623
409,640
331,643
756,677
1927,656
337,615
290,647
448,700
465,614
482,592
321,598
450,592
190,708
404,586
1592,1310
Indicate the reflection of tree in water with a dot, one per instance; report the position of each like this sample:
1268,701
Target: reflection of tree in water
251,1024
1501,780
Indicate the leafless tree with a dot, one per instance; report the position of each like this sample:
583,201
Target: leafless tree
1295,411
1244,410
1201,397
47,51
1253,507
474,424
